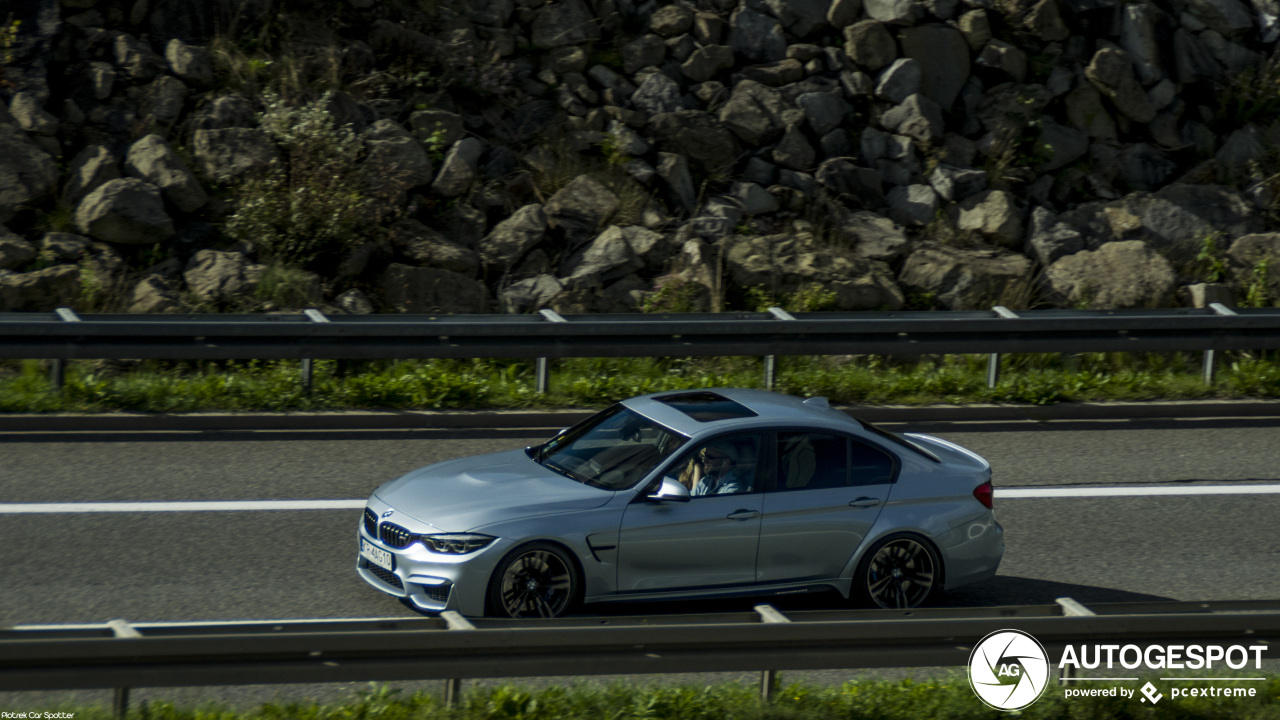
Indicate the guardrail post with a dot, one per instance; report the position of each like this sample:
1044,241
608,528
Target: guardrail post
540,365
314,316
993,360
58,366
1209,355
1071,608
769,678
120,698
771,361
453,686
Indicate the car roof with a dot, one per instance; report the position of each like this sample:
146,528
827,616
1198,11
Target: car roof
767,408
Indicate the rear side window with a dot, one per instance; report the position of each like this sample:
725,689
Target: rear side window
868,465
810,461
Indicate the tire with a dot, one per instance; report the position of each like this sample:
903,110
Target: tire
898,572
538,580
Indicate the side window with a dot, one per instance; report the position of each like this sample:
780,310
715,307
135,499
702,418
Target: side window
870,465
809,461
721,466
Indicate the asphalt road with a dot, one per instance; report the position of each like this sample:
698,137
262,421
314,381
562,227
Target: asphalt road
271,564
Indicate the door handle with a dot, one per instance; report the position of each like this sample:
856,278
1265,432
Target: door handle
743,514
864,502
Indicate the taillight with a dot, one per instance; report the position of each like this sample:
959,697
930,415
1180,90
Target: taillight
983,493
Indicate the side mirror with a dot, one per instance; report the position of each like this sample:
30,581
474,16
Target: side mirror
671,490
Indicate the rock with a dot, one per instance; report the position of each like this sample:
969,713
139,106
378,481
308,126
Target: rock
1234,57
422,246
801,18
1059,145
858,186
963,279
190,63
626,140
708,28
25,108
943,57
14,251
151,159
1243,149
135,60
917,117
354,302
225,155
698,136
955,184
1138,38
871,236
1004,57
580,208
1227,17
785,264
459,168
642,52
512,238
1247,254
566,22
756,36
27,173
125,210
755,113
397,158
673,168
775,74
1086,113
446,127
912,204
1006,110
844,13
153,294
93,166
39,290
1143,167
163,102
222,112
870,45
995,215
671,21
1192,60
1044,20
753,199
529,295
706,62
1125,274
102,78
975,26
899,81
657,94
1201,295
64,247
608,257
1111,72
825,111
794,151
214,276
429,290
895,12
836,144
1048,240
614,84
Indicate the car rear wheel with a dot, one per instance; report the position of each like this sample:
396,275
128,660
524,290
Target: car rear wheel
900,571
537,580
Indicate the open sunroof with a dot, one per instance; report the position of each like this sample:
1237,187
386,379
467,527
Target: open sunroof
706,406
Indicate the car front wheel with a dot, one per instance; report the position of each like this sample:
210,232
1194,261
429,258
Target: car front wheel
900,571
537,580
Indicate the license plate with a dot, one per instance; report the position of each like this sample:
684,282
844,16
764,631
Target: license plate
377,555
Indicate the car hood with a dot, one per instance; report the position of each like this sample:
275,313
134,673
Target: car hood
460,495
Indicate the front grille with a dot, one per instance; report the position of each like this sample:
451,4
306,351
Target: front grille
385,576
439,593
394,535
370,522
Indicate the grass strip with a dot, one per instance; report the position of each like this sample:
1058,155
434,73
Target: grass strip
246,386
863,700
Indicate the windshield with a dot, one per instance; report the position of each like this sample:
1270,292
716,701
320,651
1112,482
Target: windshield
614,449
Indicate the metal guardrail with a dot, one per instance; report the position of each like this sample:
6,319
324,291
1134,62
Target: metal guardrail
120,655
64,335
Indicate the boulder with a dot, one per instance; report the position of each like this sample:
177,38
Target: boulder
955,184
943,56
1226,17
646,50
529,295
1244,263
757,114
1059,145
151,159
1124,274
917,117
580,209
871,236
785,264
566,22
858,186
775,74
707,62
995,215
912,204
673,168
967,279
753,199
189,62
153,294
396,157
671,21
1086,113
163,101
870,45
459,168
39,290
1048,240
824,111
899,81
844,13
756,36
127,211
61,247
697,136
91,167
225,155
512,238
420,290
1005,58
1111,72
608,257
27,173
214,276
1143,167
420,245
801,18
657,94
895,12
14,251
25,108
1138,37
794,151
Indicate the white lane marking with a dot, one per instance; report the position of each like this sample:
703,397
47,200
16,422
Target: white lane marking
1134,491
249,505
195,506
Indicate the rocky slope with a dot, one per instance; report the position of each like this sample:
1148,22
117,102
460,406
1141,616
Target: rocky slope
602,155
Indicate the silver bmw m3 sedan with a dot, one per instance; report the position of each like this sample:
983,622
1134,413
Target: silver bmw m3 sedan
691,494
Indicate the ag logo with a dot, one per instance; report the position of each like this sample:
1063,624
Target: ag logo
1008,670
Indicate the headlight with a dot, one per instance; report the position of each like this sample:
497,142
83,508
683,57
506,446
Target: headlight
456,543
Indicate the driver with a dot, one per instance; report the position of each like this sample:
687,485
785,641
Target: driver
717,471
